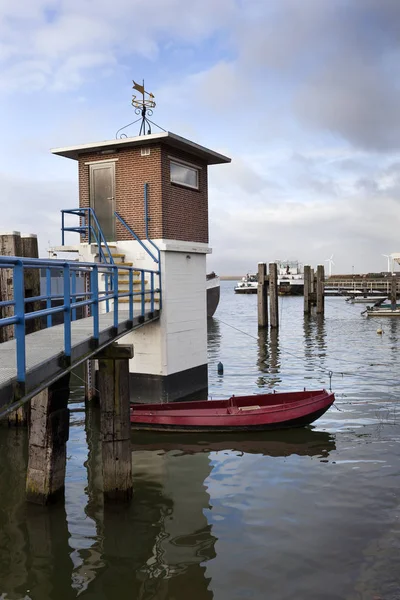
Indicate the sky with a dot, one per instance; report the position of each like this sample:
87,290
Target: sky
303,95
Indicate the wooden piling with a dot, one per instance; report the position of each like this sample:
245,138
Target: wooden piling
15,244
10,245
393,292
273,295
313,287
307,289
115,421
48,435
30,249
320,290
262,295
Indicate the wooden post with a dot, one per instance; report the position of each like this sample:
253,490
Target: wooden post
31,280
307,289
320,290
10,245
273,295
48,435
313,288
262,296
115,421
393,292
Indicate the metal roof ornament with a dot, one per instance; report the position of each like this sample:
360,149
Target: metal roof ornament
143,107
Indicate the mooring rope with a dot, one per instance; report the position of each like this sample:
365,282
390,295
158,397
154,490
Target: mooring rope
327,371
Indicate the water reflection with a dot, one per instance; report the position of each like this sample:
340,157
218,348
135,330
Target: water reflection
34,540
268,357
303,442
315,342
213,338
156,547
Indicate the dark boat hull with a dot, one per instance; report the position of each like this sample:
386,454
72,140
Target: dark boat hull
273,411
213,295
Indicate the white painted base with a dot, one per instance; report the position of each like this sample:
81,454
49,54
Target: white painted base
178,341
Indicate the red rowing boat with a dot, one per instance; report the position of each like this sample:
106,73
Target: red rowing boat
238,413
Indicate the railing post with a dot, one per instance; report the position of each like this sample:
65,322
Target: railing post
142,285
94,288
19,308
107,276
49,318
62,229
67,310
90,228
131,294
152,292
115,284
73,291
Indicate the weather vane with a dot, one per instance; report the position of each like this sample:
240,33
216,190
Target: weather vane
143,107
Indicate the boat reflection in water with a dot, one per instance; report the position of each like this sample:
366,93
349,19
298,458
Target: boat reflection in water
304,441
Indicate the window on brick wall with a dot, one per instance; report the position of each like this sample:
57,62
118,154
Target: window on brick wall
184,175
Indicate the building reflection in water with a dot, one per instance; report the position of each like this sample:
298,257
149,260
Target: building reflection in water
268,358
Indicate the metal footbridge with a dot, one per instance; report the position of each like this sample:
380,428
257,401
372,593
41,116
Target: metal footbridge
71,326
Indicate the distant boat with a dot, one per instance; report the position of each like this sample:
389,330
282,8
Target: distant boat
238,413
365,299
290,278
247,285
213,293
377,311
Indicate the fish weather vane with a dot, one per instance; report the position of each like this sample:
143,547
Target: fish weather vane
144,107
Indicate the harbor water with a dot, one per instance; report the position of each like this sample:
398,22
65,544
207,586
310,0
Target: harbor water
306,514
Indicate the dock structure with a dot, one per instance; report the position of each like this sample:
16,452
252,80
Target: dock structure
134,302
36,366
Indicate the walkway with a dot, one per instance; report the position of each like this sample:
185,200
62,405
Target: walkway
45,359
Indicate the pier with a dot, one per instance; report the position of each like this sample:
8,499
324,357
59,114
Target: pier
131,307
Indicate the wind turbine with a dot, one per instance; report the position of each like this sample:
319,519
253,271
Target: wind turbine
330,261
389,257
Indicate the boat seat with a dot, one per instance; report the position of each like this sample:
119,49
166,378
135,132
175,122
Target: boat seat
254,407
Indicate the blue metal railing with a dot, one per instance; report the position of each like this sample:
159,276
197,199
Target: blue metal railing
70,299
90,228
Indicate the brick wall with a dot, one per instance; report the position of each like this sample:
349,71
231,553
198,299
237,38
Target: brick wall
185,211
175,212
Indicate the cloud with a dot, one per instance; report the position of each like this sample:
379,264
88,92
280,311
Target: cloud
358,226
33,206
54,44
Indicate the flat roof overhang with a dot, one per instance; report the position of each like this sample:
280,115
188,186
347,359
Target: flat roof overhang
167,138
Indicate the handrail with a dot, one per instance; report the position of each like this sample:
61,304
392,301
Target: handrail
71,299
133,234
147,218
87,229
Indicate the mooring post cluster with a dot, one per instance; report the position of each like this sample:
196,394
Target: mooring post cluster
314,293
314,289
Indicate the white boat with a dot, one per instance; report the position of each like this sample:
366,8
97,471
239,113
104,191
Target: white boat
365,299
247,285
377,311
290,278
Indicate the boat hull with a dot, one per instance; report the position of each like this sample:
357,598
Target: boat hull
246,290
234,415
213,295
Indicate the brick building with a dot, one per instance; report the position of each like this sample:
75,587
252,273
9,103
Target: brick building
170,356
